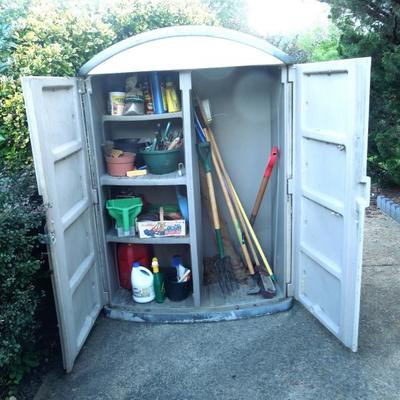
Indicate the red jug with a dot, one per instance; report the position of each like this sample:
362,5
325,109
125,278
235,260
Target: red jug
127,255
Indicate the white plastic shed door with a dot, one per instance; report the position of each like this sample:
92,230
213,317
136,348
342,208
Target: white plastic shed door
59,148
331,190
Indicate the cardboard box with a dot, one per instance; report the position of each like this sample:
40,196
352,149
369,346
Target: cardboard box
160,229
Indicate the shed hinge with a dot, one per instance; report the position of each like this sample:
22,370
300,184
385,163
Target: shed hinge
95,196
289,186
291,73
88,85
48,238
290,290
81,86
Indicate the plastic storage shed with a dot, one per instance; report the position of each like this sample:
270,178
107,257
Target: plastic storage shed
311,221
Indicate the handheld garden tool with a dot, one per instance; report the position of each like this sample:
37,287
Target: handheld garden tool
264,182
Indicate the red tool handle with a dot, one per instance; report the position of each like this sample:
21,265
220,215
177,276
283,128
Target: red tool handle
272,158
264,182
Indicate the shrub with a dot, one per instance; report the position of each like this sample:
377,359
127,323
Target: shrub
21,217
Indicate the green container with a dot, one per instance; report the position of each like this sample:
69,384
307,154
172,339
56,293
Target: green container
161,161
125,211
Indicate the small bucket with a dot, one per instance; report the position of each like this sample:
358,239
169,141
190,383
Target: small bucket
119,166
175,291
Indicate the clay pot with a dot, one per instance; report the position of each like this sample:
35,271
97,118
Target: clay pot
119,166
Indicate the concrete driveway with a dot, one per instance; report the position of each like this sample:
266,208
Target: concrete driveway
282,356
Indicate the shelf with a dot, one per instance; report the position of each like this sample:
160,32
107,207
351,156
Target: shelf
146,117
112,237
146,180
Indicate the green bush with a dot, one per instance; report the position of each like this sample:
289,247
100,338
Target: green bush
21,217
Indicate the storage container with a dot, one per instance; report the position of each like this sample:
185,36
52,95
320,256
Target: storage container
161,161
128,254
310,224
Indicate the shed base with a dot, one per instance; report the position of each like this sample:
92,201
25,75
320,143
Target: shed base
212,309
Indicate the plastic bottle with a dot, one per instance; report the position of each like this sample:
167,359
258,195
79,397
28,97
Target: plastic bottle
155,84
178,264
173,103
127,255
159,288
142,284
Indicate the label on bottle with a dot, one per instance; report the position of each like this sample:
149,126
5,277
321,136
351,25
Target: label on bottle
143,292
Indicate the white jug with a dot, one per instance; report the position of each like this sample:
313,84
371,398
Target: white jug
142,284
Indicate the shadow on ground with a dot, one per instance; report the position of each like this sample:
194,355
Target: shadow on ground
283,356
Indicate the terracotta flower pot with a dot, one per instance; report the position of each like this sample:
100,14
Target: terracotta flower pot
119,166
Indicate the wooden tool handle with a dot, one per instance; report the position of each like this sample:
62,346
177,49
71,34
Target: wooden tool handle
236,225
225,174
215,217
260,195
213,202
264,183
235,196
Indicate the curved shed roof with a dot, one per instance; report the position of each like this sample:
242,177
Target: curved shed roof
184,48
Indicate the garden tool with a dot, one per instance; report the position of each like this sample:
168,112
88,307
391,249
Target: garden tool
264,182
228,200
265,283
223,264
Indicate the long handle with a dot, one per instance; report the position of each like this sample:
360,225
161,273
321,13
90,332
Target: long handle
249,227
264,183
232,189
215,216
218,159
225,174
235,222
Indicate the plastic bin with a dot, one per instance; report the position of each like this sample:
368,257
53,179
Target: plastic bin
175,291
161,161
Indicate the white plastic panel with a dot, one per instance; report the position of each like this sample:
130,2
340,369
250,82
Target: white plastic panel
59,148
331,190
184,53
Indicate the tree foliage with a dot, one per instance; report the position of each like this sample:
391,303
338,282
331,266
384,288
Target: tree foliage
372,28
44,37
230,13
315,45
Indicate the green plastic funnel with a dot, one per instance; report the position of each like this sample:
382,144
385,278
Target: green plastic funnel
124,211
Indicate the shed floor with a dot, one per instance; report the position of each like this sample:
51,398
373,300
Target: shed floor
283,356
215,307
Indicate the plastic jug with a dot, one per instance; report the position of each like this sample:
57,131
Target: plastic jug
142,284
127,255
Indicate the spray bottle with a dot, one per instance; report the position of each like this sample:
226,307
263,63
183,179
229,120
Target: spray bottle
159,288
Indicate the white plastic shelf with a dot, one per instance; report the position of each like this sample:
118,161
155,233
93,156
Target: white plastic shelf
113,238
145,117
146,180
